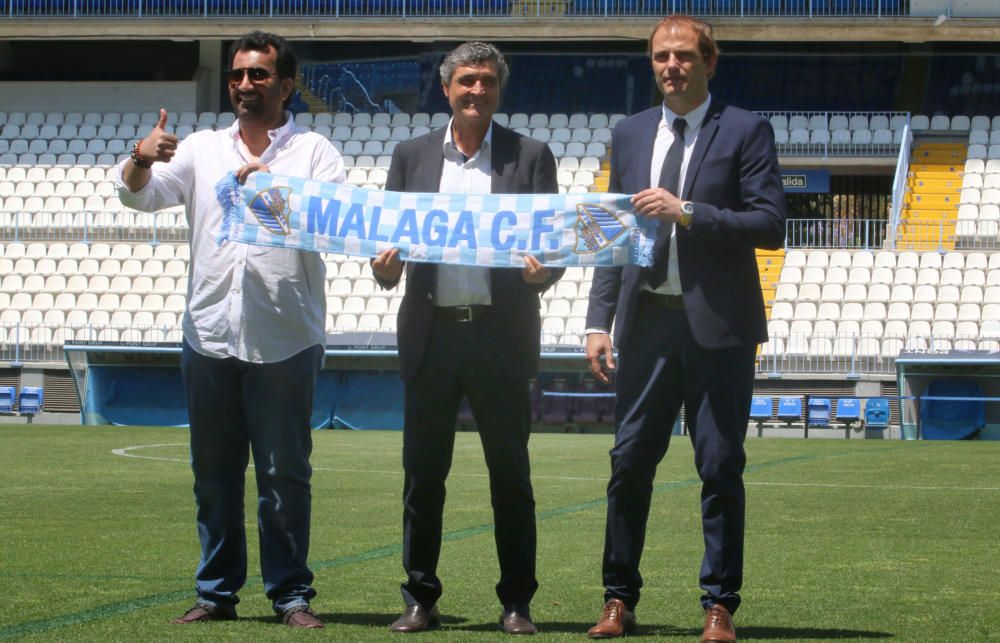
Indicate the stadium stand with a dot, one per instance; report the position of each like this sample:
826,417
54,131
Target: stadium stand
76,263
858,282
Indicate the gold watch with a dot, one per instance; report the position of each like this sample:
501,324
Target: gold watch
687,212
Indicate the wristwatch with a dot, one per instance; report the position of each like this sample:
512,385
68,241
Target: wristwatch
687,212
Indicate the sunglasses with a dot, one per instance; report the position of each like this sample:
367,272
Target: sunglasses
255,74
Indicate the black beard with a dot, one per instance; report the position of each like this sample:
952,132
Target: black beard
251,108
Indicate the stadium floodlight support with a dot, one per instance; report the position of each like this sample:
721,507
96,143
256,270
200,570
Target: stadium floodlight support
899,182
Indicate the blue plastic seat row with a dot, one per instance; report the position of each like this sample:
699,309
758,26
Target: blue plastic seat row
848,411
28,403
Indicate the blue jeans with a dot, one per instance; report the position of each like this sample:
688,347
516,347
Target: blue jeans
236,407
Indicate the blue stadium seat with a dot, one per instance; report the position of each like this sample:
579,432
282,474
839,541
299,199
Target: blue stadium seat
790,409
725,7
795,7
8,395
848,411
818,413
760,409
30,401
697,7
877,413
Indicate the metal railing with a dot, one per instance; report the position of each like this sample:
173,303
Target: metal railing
84,227
946,234
867,234
899,182
452,8
848,354
842,354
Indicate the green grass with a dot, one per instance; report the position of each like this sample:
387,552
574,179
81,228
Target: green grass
845,540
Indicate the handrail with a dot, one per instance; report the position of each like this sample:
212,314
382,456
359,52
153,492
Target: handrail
899,183
554,9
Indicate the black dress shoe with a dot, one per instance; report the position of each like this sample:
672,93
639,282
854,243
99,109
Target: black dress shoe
416,619
516,619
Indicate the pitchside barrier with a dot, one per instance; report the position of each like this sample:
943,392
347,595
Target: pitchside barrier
135,384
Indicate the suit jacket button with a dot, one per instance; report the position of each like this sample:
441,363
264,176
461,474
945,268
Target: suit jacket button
430,296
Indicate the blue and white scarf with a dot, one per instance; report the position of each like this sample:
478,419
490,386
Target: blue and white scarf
470,229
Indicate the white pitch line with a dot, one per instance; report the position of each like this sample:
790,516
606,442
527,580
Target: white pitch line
127,452
869,486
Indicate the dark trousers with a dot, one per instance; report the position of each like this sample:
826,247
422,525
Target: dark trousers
234,408
661,367
462,359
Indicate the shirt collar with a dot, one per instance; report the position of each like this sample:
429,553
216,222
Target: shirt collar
693,118
451,151
278,136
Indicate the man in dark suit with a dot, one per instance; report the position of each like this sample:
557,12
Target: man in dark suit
468,331
687,329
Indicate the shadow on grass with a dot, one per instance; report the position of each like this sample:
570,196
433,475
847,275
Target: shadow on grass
770,633
748,632
361,618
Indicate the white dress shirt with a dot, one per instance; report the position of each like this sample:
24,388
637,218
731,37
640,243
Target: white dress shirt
255,303
465,285
664,139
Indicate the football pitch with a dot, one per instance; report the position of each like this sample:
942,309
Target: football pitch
846,540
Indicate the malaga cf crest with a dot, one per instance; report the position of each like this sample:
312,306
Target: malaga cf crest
596,228
270,206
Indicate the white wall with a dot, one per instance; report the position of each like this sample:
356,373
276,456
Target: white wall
134,96
958,8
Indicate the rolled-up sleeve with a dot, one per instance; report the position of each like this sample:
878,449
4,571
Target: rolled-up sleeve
168,186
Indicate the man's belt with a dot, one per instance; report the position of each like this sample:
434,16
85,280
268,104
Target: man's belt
461,313
670,302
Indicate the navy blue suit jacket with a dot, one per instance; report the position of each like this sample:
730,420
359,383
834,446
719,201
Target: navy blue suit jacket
734,182
521,165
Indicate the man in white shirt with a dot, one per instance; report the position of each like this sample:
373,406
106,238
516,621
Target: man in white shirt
253,334
468,331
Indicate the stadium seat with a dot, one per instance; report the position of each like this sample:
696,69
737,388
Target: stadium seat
790,409
877,413
760,411
818,412
8,398
30,400
848,411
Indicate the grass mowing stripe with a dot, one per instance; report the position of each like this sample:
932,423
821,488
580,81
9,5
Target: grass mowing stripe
134,605
85,616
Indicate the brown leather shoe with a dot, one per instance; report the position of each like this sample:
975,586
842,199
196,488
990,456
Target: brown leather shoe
517,621
205,612
417,619
301,616
718,626
616,621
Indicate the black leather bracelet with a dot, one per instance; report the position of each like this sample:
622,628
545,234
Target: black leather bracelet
138,159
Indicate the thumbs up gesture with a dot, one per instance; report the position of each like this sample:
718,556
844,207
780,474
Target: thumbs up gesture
159,145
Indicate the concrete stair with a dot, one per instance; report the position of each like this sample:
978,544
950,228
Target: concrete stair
933,190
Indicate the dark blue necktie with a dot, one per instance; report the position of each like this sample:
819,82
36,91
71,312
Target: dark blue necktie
670,178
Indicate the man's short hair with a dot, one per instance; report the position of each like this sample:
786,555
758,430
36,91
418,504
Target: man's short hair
702,30
262,41
470,54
